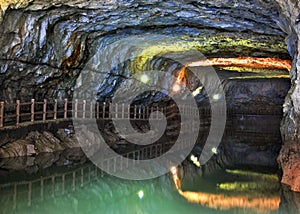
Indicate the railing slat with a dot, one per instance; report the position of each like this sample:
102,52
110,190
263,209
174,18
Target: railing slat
55,109
1,114
32,110
83,109
76,108
91,109
45,110
65,108
17,112
97,110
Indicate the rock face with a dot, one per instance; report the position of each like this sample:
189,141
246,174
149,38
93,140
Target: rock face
45,45
289,158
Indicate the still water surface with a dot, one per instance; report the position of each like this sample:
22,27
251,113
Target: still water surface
85,189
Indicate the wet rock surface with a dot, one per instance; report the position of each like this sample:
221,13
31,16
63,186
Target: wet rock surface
38,142
45,46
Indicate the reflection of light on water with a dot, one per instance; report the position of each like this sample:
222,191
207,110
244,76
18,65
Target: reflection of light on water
195,161
220,201
141,194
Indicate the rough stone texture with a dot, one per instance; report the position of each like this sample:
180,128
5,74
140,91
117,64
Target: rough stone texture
45,45
38,142
289,158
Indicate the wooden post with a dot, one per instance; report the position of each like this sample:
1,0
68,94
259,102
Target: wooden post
110,109
147,112
76,108
144,112
123,110
97,110
55,109
83,108
140,112
128,110
1,114
91,109
134,113
18,112
152,110
103,113
116,109
115,164
45,110
32,110
65,108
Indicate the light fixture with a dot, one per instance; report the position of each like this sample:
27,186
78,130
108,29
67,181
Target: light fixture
197,91
144,78
176,88
214,150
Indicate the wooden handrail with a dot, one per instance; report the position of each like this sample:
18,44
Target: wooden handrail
58,110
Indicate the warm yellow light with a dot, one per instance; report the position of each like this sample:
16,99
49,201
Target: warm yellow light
174,170
197,91
176,88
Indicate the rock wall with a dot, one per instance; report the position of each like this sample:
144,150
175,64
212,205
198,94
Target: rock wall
289,158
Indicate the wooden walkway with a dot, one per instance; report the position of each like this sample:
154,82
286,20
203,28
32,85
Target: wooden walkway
24,113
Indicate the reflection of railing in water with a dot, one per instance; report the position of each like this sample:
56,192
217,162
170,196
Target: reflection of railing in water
56,184
14,114
222,202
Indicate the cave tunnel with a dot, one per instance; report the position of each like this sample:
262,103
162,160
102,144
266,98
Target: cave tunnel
223,74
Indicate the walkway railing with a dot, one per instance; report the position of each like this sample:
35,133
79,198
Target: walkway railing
15,114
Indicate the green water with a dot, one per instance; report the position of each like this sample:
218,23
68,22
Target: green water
85,189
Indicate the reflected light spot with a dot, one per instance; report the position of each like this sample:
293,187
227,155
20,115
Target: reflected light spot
174,170
141,194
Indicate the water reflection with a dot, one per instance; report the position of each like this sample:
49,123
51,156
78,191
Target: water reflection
86,189
223,202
